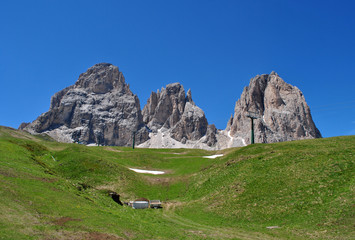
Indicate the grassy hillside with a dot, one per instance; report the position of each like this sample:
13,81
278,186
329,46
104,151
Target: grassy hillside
303,189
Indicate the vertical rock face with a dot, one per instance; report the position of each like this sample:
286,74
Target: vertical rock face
173,112
192,124
164,108
282,110
98,108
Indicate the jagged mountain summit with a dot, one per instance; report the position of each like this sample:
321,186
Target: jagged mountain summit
282,111
100,108
175,120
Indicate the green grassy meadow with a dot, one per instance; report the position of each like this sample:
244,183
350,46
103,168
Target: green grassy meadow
302,190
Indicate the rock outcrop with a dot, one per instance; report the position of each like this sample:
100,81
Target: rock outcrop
99,108
175,120
282,110
165,108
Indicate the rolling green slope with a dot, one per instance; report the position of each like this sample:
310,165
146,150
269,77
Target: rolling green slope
302,189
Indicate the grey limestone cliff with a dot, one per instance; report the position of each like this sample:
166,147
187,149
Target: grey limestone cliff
99,108
282,110
173,111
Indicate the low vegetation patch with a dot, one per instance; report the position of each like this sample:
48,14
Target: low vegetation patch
292,190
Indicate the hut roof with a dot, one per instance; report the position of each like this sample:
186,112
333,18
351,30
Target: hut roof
142,199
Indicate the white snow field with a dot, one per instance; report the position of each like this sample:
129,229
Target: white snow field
213,156
146,171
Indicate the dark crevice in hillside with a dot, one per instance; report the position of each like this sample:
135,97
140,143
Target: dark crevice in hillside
36,151
82,186
32,147
43,165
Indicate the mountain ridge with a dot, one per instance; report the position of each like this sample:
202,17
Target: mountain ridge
100,108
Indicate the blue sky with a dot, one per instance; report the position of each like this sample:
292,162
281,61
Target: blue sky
212,47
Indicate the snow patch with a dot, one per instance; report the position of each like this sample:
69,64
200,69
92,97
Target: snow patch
213,156
243,141
235,141
146,171
92,145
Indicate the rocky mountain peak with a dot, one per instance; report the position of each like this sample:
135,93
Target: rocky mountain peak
189,97
282,108
99,108
175,113
165,108
274,73
102,78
